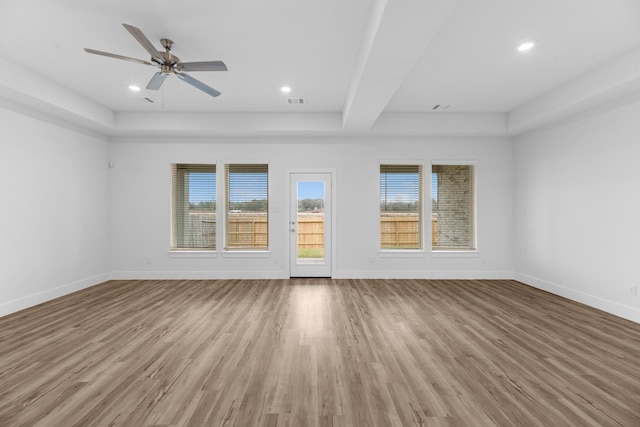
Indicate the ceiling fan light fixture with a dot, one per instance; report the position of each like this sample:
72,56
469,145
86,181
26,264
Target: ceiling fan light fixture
523,47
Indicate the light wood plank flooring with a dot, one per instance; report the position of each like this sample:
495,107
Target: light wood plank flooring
317,352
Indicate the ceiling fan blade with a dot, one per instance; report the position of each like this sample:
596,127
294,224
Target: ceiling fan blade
156,81
198,84
202,66
113,55
144,41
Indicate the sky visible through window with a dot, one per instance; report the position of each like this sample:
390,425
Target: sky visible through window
202,187
245,187
399,187
199,182
434,186
396,184
310,190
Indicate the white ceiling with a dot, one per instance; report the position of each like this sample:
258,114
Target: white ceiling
362,66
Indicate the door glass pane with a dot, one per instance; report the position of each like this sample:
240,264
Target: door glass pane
310,222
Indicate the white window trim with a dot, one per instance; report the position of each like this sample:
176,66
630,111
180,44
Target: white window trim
189,253
422,250
457,253
222,196
195,252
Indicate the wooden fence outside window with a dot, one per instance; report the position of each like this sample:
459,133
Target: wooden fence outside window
250,230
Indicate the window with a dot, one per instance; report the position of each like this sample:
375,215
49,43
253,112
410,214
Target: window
247,198
193,207
401,206
453,207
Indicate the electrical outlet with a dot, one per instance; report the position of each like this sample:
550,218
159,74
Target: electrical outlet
633,290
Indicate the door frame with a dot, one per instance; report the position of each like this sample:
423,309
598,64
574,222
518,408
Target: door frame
332,173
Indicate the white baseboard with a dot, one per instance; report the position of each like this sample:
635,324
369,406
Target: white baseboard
611,307
196,275
49,294
423,274
339,274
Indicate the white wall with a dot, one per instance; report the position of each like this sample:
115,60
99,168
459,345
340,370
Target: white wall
577,204
53,214
139,204
564,200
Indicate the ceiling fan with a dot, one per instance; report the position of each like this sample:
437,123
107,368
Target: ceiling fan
167,62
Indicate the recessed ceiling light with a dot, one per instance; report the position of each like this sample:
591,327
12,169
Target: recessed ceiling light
285,89
134,88
526,46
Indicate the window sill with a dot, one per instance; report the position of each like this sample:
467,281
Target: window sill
402,253
193,254
471,253
246,254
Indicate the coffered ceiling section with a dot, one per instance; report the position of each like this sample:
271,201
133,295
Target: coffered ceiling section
357,67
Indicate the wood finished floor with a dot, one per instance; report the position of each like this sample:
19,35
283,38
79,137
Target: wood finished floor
317,353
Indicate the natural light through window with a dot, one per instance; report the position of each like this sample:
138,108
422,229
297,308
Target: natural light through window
401,206
247,211
193,207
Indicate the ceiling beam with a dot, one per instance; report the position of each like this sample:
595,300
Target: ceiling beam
396,36
29,89
614,81
239,124
441,124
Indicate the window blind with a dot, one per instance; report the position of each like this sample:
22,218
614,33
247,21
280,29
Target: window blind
193,206
401,191
247,206
453,207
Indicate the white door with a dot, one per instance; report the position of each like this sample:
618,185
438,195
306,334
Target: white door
310,225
